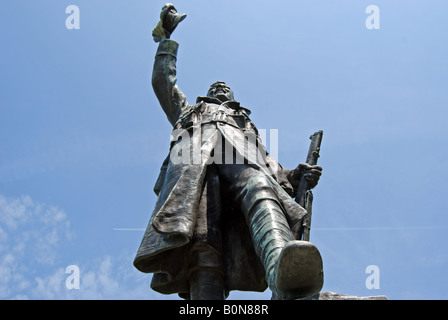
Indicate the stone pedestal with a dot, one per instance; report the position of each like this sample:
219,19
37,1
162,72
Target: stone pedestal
337,296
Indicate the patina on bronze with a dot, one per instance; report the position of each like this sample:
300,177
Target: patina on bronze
219,223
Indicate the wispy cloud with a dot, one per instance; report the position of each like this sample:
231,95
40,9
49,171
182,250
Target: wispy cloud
31,230
34,238
106,277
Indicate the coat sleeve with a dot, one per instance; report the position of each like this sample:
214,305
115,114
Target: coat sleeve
164,80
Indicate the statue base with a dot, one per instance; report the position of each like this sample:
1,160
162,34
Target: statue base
337,296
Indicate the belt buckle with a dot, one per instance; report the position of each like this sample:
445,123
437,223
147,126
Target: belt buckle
222,115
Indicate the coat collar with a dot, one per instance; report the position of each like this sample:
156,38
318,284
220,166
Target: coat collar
231,104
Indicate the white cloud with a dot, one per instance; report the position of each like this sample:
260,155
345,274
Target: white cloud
14,211
30,233
33,240
31,230
104,278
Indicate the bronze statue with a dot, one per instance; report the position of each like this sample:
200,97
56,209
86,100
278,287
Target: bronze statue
225,218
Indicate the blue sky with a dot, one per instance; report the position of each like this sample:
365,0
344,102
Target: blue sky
82,136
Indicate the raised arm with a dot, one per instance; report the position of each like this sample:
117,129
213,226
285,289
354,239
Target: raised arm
164,78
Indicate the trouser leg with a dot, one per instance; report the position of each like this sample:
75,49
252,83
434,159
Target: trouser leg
206,267
206,273
293,268
206,285
252,191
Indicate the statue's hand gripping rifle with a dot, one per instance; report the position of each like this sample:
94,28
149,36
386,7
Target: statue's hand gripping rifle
304,196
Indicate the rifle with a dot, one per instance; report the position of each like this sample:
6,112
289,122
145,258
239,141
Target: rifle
304,196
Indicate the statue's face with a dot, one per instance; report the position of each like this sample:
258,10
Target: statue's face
221,91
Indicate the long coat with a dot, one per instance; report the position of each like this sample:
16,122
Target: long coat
175,218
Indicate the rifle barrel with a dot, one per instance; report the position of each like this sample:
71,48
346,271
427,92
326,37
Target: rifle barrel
304,196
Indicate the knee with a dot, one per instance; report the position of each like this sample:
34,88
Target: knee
256,189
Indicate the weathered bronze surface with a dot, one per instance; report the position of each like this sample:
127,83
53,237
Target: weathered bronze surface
225,217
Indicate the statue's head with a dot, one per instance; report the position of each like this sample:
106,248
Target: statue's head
221,91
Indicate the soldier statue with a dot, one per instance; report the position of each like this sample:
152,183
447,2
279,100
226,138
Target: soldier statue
225,218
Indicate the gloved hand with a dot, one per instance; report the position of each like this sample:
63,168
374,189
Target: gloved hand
309,172
169,19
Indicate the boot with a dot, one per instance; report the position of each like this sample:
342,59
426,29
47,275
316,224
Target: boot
299,271
293,268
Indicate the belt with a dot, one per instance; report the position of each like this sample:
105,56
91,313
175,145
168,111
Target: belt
210,115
